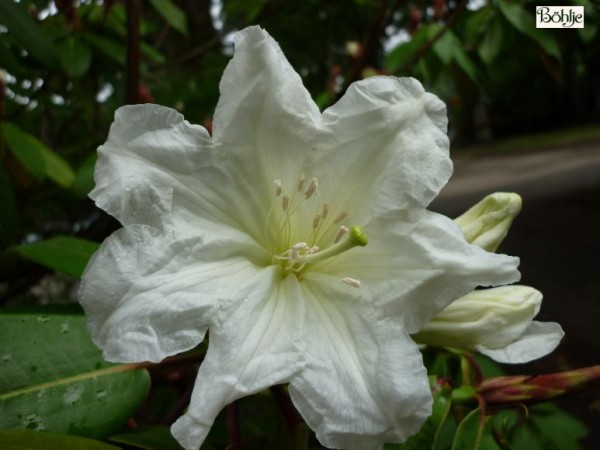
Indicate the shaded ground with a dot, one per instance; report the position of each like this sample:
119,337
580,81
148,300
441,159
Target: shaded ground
557,237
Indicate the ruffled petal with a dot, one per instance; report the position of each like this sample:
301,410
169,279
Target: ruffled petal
149,153
364,382
387,146
254,343
416,263
148,295
265,120
539,339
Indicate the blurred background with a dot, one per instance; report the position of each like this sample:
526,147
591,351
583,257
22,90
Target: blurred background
523,103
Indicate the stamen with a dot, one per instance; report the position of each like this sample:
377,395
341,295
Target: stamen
312,187
340,232
356,238
301,181
316,221
351,281
285,202
278,187
313,249
341,216
325,211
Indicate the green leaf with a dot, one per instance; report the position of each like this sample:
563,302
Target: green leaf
75,57
57,168
476,23
20,24
148,438
172,14
63,253
474,433
491,44
427,437
405,51
35,440
26,149
84,180
448,49
150,52
524,21
558,428
36,157
53,378
8,211
108,47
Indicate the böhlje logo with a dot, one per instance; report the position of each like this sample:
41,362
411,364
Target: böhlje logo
559,16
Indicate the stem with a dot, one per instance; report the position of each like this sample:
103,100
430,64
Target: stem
233,426
132,76
298,429
427,45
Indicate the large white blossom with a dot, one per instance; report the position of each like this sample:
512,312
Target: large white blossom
300,239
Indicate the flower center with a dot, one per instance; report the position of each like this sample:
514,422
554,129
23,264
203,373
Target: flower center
306,233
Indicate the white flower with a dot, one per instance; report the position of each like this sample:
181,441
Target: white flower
258,233
496,322
487,223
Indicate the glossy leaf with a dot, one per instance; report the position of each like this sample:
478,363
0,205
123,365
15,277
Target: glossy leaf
400,55
172,14
75,57
53,378
148,438
65,254
524,21
448,49
474,433
30,35
491,44
35,440
25,148
108,47
36,157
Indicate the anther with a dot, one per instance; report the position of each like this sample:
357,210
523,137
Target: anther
351,281
340,233
341,216
316,221
296,249
301,181
278,187
312,187
285,202
325,211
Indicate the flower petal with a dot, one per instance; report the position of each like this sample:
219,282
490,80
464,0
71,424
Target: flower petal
254,344
421,265
148,295
538,340
364,382
388,144
265,117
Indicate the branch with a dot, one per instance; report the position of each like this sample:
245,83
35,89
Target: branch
427,45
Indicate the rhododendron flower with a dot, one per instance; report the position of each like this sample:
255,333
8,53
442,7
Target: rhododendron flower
497,322
300,239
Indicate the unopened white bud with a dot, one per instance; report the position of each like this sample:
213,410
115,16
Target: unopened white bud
487,223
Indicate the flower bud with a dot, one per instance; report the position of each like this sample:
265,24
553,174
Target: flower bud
496,322
487,223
